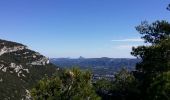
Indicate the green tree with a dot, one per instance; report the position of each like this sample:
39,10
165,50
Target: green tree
155,32
155,58
104,88
70,85
125,86
47,89
160,88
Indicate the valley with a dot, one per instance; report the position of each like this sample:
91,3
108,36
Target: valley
100,67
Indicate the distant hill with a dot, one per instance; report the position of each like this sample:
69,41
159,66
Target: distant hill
102,65
20,69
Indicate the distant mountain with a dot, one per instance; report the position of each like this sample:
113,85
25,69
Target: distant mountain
20,69
102,65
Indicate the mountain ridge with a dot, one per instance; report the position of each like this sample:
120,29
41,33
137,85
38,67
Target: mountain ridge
99,66
20,69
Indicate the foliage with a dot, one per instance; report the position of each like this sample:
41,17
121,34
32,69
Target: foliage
123,87
157,56
155,60
155,32
104,88
160,88
70,85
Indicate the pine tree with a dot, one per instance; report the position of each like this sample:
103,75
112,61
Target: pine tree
72,84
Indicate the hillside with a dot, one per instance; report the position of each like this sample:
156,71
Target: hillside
20,69
99,66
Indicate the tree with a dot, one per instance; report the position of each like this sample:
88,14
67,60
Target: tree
125,86
104,88
155,32
155,58
70,85
47,89
160,88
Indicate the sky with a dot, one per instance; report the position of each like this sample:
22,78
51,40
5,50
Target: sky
73,28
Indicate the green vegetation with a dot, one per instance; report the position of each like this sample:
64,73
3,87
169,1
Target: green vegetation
155,60
70,85
160,87
123,87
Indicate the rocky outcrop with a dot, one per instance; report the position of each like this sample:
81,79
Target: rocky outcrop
11,49
20,69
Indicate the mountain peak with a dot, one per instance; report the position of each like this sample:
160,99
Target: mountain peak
81,57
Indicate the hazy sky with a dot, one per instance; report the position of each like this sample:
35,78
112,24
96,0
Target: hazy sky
73,28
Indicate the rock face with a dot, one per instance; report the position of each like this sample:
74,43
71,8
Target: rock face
20,69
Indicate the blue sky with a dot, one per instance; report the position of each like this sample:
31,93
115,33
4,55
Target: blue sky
73,28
